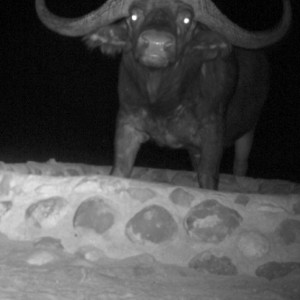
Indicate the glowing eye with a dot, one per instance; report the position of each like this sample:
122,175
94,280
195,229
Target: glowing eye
134,17
186,20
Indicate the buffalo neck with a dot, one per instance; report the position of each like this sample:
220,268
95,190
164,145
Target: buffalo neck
161,91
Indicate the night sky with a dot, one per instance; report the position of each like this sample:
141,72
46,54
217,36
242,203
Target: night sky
59,99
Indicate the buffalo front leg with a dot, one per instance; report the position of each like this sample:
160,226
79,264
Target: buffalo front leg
128,140
207,157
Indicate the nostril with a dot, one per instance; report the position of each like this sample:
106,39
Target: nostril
168,44
145,40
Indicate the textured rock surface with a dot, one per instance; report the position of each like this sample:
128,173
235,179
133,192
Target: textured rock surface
247,227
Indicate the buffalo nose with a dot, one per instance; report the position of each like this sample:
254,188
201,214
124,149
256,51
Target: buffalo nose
158,39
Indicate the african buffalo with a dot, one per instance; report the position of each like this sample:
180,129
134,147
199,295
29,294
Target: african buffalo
189,77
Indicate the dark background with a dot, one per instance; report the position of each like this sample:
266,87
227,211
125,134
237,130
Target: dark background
59,99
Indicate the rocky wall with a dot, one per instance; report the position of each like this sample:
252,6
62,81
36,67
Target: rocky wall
250,226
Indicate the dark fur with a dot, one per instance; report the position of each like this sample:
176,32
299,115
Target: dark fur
207,98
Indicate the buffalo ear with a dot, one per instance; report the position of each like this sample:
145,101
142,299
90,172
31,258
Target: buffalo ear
111,39
210,45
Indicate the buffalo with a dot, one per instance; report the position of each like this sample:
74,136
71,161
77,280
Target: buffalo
188,78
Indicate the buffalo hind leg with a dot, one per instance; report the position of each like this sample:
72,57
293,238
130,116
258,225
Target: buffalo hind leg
242,148
127,144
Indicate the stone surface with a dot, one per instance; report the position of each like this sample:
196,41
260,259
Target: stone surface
78,210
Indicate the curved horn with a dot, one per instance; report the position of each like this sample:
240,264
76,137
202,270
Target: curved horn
207,13
106,14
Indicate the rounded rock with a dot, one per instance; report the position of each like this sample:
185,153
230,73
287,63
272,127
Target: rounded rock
41,258
5,206
46,212
289,231
152,224
296,206
141,194
242,200
208,262
253,244
211,221
94,213
273,269
181,197
48,242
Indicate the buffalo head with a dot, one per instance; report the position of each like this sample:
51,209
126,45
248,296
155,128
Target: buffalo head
158,36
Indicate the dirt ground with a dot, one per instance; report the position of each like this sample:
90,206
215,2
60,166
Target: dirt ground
29,271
